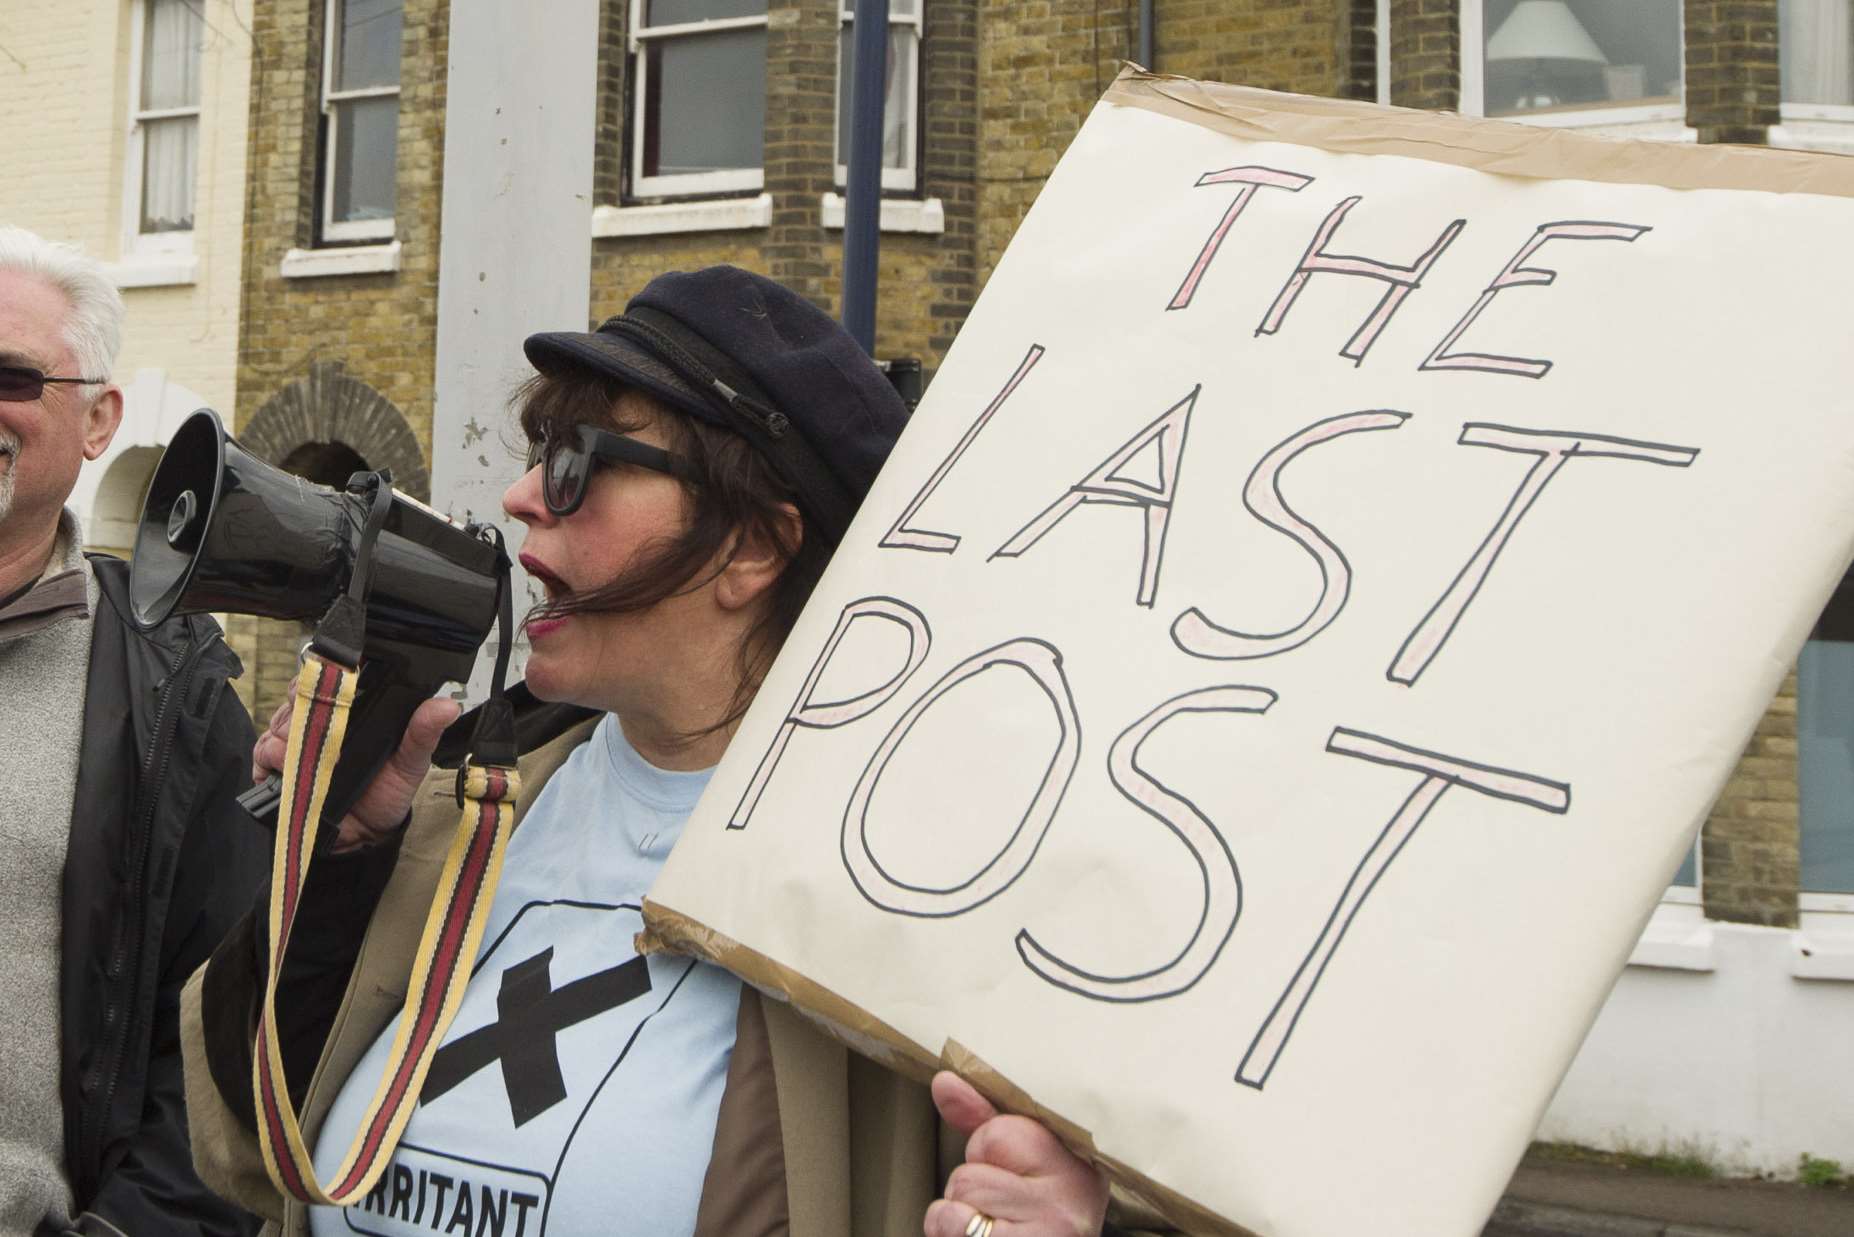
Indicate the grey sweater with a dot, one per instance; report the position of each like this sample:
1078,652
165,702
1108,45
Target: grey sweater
44,658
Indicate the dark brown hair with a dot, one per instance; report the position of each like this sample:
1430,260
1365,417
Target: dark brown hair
735,492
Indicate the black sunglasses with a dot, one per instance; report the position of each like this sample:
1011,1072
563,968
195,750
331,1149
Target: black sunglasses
567,460
19,385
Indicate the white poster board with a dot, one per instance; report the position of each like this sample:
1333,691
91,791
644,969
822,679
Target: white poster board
1296,640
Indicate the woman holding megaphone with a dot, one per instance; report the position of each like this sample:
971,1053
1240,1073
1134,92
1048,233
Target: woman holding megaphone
692,464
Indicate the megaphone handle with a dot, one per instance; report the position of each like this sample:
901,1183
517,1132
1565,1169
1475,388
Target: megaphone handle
262,799
383,708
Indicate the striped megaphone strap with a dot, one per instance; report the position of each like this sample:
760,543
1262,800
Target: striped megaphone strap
452,934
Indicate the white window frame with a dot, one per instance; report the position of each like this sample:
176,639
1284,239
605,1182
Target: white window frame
906,178
1384,52
733,180
1654,121
351,229
138,245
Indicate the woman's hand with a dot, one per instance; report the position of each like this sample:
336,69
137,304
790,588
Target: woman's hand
387,799
1016,1172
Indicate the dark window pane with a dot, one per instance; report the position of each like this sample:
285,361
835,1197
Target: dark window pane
675,12
366,146
369,31
707,105
1825,758
170,159
1543,57
1689,870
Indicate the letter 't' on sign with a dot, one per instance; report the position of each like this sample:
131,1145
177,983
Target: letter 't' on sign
1251,179
1552,449
1110,483
1440,773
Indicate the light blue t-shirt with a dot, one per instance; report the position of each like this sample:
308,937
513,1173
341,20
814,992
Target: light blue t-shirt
577,1090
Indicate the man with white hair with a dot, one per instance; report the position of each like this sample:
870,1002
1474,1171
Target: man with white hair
121,751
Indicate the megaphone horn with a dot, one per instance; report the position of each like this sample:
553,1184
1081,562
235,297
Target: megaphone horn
221,530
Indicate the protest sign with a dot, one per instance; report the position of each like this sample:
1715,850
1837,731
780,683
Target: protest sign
1292,648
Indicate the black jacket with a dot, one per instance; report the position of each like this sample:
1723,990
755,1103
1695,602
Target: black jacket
160,863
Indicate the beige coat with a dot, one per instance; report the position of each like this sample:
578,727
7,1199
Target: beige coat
855,1147
811,1139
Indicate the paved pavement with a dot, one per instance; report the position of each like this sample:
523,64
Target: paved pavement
1554,1199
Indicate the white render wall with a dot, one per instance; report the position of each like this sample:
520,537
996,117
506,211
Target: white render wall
516,253
65,89
1749,1064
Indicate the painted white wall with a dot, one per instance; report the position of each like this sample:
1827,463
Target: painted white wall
65,87
516,254
1748,1064
108,494
65,90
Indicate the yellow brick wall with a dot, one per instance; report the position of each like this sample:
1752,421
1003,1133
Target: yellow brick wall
1042,65
924,280
381,327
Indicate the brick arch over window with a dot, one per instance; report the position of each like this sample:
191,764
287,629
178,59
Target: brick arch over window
329,405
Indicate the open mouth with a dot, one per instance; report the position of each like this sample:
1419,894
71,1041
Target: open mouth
555,588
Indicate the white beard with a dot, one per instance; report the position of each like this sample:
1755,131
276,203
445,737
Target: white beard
6,489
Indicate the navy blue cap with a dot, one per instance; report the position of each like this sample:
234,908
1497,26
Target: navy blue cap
743,352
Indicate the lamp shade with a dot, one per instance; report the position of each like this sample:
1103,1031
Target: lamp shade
1543,30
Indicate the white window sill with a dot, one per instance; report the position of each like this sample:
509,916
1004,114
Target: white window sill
1677,938
163,271
715,215
1660,122
1833,135
925,215
356,260
1825,940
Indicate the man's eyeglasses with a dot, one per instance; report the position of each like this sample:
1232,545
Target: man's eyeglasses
19,385
567,460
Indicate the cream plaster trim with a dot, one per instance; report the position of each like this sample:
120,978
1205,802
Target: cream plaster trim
355,260
1825,941
165,271
1834,135
926,215
714,215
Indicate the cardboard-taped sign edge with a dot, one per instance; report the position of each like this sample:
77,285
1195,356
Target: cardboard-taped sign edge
667,930
1498,147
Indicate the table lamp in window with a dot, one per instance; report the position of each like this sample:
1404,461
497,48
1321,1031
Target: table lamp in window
1544,57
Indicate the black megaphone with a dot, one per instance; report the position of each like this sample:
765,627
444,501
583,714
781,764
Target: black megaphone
223,531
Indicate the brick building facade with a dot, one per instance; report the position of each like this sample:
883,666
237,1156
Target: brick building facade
337,339
1001,88
337,336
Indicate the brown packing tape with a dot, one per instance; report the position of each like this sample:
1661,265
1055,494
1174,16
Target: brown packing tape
667,930
1499,147
1007,1096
